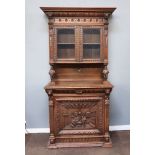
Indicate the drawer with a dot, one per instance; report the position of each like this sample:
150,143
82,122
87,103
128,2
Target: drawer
78,91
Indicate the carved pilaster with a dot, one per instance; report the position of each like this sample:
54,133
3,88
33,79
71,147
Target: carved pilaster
106,29
51,113
52,74
50,33
51,40
106,124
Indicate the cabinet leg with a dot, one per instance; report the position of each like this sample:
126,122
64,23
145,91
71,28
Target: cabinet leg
52,139
107,140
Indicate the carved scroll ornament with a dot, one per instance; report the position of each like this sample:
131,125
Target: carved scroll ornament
105,72
52,73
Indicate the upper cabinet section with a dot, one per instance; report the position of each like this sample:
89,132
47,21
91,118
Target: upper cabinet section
78,35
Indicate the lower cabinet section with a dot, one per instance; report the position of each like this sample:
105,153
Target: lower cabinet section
78,121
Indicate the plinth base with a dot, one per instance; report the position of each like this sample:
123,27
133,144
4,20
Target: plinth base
76,145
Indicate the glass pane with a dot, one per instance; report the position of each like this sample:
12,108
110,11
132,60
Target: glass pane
91,43
65,36
65,43
66,51
91,35
91,51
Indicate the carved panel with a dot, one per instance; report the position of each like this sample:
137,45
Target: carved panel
79,113
80,139
78,105
79,132
83,119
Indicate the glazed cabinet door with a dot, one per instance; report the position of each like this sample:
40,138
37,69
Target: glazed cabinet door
92,44
79,114
65,44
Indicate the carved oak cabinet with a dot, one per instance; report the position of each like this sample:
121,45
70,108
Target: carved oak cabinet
79,90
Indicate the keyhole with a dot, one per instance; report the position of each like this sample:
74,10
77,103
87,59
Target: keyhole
79,70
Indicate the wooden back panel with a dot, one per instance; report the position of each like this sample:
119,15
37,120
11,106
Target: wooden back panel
78,73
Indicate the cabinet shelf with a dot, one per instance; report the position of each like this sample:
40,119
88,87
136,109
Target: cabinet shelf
66,51
65,43
91,43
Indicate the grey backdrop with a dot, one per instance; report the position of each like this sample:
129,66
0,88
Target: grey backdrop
37,66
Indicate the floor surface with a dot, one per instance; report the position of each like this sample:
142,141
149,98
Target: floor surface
35,144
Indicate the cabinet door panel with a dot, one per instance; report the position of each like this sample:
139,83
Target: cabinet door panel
79,113
91,35
66,51
91,43
65,35
65,43
91,51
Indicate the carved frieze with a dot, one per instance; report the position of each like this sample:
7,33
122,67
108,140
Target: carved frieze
76,21
78,105
78,132
81,139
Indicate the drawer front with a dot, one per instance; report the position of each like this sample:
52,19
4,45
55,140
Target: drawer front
79,91
79,113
